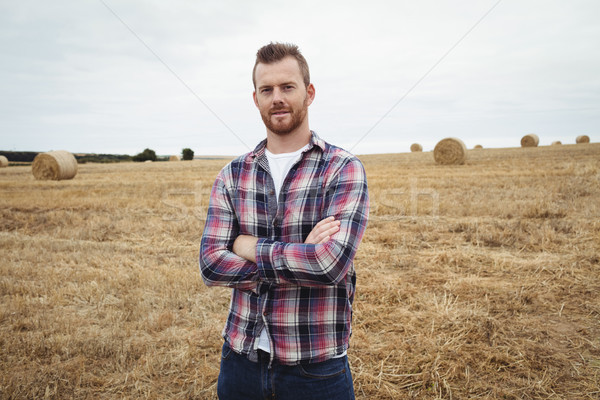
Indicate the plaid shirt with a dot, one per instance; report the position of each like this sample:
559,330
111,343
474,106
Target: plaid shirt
302,293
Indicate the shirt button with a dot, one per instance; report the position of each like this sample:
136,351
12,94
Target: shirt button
271,192
266,313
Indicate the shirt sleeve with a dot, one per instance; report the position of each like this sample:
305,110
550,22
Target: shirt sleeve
346,198
219,266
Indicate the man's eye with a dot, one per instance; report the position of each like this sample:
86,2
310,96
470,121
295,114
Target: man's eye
266,90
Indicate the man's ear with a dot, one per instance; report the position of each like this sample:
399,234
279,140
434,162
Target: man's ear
255,99
310,94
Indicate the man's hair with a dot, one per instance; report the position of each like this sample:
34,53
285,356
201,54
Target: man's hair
274,52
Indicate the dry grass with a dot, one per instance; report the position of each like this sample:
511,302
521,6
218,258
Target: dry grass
474,281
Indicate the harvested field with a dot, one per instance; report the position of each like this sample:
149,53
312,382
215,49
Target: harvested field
474,281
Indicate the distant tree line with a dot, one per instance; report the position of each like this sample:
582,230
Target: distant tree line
147,154
150,155
28,156
19,156
102,158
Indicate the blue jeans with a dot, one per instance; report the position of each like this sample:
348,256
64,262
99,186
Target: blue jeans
242,379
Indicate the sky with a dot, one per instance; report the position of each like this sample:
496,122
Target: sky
107,76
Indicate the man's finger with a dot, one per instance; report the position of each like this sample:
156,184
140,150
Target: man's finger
324,240
328,234
324,221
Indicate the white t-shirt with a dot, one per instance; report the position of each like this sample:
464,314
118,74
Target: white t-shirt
279,165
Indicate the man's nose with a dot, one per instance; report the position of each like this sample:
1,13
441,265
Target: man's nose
277,95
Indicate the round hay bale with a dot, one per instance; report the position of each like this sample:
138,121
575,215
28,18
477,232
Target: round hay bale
450,151
416,147
3,162
531,140
478,146
54,165
582,139
556,143
174,158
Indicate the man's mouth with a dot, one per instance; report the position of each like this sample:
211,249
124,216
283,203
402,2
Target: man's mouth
280,113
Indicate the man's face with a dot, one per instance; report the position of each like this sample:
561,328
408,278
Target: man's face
281,96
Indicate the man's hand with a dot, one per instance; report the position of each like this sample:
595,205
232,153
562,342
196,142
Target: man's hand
322,231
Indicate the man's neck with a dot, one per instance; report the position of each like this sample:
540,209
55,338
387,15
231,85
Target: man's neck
278,144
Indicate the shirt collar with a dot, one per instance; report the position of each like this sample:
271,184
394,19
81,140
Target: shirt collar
315,140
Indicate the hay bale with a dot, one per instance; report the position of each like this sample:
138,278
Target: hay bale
174,158
450,151
54,165
531,140
3,162
582,139
478,146
556,143
416,147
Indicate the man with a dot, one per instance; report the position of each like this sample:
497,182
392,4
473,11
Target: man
284,223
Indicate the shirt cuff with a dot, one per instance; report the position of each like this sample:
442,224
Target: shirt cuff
265,249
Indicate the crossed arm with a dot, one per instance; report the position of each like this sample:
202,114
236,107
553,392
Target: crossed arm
241,259
245,245
231,259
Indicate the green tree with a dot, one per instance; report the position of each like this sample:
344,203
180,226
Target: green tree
147,154
187,154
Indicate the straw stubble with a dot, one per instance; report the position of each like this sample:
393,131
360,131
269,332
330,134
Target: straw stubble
490,295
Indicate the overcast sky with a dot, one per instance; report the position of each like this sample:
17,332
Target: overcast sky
107,76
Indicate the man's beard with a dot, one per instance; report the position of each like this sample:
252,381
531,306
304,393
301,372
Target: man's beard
287,128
